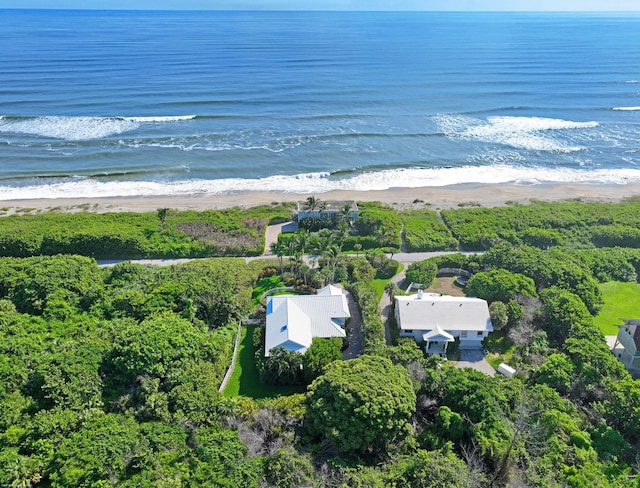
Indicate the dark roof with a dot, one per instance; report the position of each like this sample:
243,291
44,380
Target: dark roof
636,336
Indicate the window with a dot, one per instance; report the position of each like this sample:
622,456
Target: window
283,328
463,333
480,333
269,307
409,331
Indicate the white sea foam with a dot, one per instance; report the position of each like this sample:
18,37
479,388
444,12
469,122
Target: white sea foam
630,109
80,128
531,133
323,182
167,118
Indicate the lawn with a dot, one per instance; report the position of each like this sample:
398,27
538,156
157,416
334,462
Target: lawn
499,348
446,286
264,285
621,300
378,286
244,380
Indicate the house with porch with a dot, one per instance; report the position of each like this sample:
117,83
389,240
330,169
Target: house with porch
294,320
627,344
437,320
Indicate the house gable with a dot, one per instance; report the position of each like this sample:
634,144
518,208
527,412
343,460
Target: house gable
294,320
434,317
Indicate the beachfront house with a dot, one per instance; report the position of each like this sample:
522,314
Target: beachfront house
437,320
294,320
627,345
327,210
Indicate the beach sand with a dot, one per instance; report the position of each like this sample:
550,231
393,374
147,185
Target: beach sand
431,197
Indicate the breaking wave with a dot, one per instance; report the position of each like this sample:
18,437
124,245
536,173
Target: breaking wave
530,133
80,128
323,182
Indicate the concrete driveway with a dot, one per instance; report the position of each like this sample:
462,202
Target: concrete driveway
475,359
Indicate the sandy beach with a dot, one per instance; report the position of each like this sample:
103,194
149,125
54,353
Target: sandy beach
433,197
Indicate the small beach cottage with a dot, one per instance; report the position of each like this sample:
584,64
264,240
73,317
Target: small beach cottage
436,320
294,320
627,345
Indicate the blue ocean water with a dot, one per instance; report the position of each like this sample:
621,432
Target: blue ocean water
102,103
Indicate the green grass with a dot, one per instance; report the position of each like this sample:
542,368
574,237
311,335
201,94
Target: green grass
499,349
264,285
378,286
245,382
621,300
378,283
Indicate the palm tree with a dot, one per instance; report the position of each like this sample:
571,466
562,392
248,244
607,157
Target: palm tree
341,233
357,247
345,214
302,239
280,250
311,203
162,215
390,289
292,252
324,239
333,253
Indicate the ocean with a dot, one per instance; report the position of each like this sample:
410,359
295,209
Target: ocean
122,103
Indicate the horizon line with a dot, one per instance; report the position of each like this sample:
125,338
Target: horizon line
318,10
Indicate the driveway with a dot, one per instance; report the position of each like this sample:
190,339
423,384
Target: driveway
475,359
271,234
355,328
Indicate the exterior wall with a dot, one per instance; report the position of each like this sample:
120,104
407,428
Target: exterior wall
415,334
626,340
472,338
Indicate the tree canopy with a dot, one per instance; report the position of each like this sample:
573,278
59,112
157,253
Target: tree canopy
361,403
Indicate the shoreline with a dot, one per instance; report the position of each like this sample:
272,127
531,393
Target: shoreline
447,197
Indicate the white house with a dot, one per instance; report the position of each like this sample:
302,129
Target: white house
294,320
627,345
438,319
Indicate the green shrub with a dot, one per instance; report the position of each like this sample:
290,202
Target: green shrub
373,334
422,272
424,231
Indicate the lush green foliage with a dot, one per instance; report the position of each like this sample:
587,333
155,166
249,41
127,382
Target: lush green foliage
377,226
110,376
500,285
546,268
321,353
373,337
230,232
424,231
422,272
620,301
362,403
547,224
